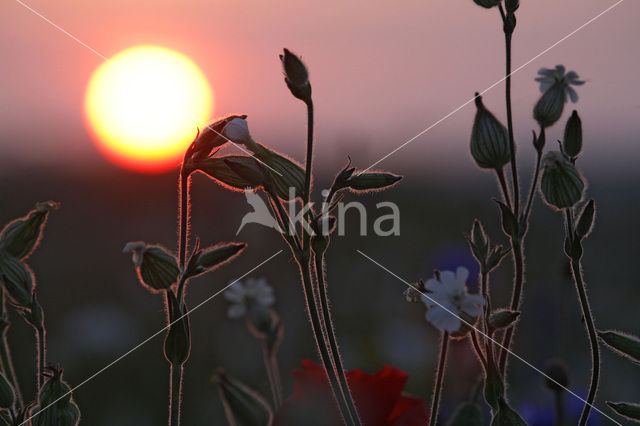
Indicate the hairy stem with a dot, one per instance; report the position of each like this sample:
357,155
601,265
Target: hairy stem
183,216
5,353
331,337
309,161
316,328
534,183
270,365
42,360
175,399
516,296
576,268
442,363
503,187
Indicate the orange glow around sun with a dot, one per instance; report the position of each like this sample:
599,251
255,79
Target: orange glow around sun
144,106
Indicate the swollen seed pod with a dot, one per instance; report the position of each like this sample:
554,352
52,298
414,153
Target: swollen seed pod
572,143
489,139
55,404
561,184
549,107
157,269
17,279
20,237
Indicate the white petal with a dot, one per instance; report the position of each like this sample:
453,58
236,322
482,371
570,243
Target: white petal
462,274
237,310
434,286
472,304
452,284
235,293
572,94
443,320
436,299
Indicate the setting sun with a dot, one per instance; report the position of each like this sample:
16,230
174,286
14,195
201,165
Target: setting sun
143,107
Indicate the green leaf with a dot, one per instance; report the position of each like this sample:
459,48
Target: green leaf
630,410
468,413
243,406
585,222
509,221
625,344
502,318
20,237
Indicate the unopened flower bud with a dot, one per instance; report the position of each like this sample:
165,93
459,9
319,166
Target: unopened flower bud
489,139
479,242
212,136
241,402
572,143
511,5
157,269
296,76
17,279
237,130
549,107
20,237
562,185
210,258
371,181
488,4
55,397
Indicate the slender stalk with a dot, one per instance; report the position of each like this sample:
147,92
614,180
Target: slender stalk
175,400
442,363
330,332
478,348
559,407
5,353
516,296
576,268
512,144
183,216
532,191
269,364
316,328
503,186
307,170
42,360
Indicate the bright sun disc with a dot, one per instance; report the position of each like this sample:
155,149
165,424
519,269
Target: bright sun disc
144,105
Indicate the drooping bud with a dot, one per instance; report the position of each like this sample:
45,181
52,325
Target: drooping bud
210,258
549,107
20,237
511,5
17,279
55,404
561,185
489,139
7,395
157,269
502,318
488,4
213,135
296,76
572,143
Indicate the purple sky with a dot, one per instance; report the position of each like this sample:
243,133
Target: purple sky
381,71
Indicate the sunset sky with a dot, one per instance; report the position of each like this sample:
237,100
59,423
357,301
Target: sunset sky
381,71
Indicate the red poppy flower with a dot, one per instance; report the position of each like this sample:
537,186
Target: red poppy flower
378,397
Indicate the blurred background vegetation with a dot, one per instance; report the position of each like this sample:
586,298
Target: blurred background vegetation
95,309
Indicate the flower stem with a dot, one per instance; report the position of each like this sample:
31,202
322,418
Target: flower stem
316,328
559,407
576,268
534,184
442,363
309,162
503,186
175,399
183,216
41,342
516,296
5,353
330,332
270,364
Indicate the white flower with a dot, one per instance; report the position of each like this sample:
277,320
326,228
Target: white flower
256,293
237,130
549,77
447,298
